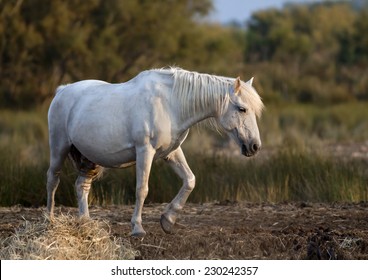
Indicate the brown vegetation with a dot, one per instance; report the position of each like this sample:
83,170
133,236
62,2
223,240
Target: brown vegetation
66,238
227,230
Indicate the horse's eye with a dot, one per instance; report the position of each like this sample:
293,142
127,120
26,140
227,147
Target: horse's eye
242,109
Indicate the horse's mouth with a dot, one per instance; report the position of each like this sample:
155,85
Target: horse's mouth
245,151
250,151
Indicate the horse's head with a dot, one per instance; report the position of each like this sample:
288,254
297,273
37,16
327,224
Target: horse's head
239,118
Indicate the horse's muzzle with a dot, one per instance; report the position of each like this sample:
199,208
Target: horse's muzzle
251,149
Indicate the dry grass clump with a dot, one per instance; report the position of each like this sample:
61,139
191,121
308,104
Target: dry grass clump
66,238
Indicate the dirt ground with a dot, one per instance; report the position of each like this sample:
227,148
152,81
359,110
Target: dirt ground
232,230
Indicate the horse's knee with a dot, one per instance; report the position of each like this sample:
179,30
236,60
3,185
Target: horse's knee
83,186
142,192
84,182
52,177
190,184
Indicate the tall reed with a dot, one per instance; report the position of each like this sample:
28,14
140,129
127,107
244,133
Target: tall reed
294,164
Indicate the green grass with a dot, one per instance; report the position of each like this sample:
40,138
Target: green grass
309,123
298,168
285,176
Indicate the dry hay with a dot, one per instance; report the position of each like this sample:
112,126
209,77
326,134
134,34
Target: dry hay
66,238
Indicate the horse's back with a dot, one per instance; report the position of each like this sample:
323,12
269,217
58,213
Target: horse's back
94,97
74,90
80,85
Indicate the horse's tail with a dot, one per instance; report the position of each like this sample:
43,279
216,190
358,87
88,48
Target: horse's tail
60,88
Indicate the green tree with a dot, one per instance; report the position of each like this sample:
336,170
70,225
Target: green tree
44,43
353,57
297,50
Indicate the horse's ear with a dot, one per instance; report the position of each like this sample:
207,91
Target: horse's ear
250,81
237,85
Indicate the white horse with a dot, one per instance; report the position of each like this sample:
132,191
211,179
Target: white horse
99,124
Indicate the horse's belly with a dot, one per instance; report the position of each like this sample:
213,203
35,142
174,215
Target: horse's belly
106,154
120,159
102,142
125,165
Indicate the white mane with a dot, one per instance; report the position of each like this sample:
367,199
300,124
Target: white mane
197,92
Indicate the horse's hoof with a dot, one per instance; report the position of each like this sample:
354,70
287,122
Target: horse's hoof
138,234
138,231
49,217
166,225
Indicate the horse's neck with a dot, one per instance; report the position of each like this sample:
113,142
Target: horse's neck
189,119
193,103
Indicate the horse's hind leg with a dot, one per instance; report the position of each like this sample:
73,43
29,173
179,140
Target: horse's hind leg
82,187
57,157
88,171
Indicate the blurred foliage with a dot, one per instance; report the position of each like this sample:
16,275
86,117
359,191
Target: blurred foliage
44,43
310,53
303,53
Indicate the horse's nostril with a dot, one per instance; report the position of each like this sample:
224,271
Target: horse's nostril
250,150
255,147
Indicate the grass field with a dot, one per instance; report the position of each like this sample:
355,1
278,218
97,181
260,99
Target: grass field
294,165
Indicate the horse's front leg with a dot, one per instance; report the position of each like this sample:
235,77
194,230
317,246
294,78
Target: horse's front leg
143,168
179,164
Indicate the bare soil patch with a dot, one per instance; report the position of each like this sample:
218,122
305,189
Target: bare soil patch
232,230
